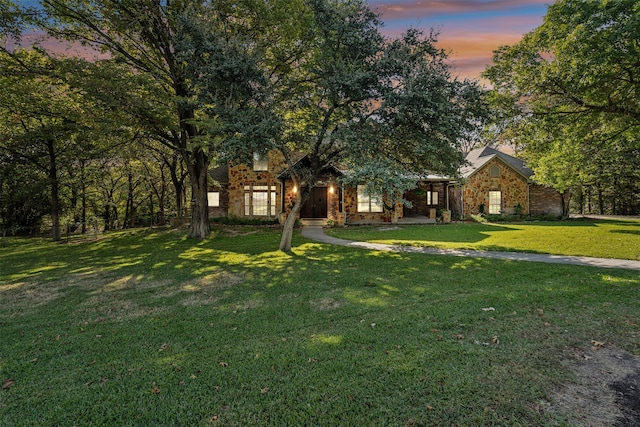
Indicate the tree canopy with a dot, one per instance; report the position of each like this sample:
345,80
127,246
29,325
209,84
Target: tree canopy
572,90
384,108
216,81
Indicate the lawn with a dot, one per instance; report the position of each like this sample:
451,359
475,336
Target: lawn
150,328
583,237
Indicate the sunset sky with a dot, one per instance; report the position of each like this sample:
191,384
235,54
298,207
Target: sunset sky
469,29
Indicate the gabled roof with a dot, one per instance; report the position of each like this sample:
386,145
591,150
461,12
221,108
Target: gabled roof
479,157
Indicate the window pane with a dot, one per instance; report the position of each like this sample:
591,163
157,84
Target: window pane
260,162
247,204
214,199
432,197
363,207
362,197
494,202
376,204
260,203
273,203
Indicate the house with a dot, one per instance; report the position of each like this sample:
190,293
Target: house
497,183
492,181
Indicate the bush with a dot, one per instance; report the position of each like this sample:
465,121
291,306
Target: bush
234,220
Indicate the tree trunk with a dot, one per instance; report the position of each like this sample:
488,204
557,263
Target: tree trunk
600,200
55,196
199,173
163,194
566,201
83,198
178,183
287,230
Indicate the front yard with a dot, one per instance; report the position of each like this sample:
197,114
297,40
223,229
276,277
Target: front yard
594,238
149,328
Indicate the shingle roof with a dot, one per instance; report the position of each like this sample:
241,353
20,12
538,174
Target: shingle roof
481,156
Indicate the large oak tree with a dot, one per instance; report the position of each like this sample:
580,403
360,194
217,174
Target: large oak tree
387,109
201,58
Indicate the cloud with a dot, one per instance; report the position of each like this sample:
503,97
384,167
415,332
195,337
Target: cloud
405,9
469,29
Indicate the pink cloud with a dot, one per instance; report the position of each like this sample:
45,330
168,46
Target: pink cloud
470,30
61,47
410,9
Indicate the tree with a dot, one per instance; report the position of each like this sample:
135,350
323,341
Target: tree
375,105
42,116
572,87
185,48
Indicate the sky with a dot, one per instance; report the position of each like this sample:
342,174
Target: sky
469,29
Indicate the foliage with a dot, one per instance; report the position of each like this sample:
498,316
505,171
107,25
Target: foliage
196,61
152,328
234,220
570,99
383,109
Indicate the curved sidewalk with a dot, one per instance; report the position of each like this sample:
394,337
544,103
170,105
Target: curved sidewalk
317,233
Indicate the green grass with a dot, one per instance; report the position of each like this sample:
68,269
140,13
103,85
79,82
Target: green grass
593,238
150,328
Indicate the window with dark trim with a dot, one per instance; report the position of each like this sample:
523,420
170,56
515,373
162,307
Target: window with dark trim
368,203
213,198
432,198
260,200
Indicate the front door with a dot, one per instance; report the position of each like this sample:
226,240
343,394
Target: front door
316,206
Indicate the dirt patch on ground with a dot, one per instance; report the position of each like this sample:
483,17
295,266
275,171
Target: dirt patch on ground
606,390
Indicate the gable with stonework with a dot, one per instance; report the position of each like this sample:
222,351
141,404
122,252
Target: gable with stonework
511,185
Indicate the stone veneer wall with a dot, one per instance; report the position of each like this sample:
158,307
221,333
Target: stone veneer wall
241,175
333,199
351,209
513,187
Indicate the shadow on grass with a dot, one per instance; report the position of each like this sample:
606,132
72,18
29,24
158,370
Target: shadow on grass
323,335
455,233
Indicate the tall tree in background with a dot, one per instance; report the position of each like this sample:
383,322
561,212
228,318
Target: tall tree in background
43,117
198,53
575,86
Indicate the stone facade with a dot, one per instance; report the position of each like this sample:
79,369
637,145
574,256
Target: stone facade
241,176
513,188
332,201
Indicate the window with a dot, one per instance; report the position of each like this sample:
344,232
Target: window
214,199
260,162
494,171
495,203
432,197
260,200
367,203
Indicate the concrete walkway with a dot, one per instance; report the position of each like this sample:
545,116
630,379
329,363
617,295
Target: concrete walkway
317,233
